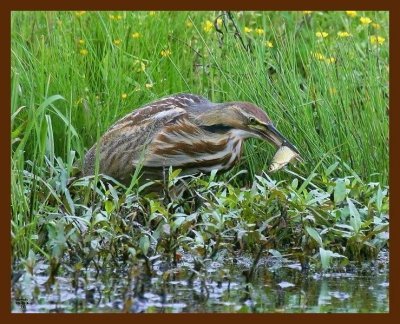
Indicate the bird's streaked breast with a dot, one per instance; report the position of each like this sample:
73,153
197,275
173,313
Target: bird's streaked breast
187,146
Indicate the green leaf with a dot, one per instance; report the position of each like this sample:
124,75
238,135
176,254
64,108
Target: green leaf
307,182
355,218
315,235
99,217
295,183
379,198
212,175
132,251
50,140
67,123
325,256
178,222
166,229
331,168
70,201
15,114
49,101
42,137
109,206
144,244
340,191
174,174
16,132
113,193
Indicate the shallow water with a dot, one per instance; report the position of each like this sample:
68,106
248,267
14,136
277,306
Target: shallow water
275,287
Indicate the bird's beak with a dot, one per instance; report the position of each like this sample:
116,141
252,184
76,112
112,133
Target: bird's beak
272,135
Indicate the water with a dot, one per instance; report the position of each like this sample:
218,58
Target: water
275,287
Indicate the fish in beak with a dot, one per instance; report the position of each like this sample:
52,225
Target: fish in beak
286,153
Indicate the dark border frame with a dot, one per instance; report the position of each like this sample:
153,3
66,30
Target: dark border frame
5,192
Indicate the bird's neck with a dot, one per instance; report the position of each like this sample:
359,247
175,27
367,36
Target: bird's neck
235,145
241,134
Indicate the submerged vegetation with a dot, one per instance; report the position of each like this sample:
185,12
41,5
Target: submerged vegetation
322,78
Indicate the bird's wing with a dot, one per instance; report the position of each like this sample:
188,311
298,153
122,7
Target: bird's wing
128,142
124,145
142,114
183,144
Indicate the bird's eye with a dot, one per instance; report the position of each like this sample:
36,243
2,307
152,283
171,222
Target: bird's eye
252,120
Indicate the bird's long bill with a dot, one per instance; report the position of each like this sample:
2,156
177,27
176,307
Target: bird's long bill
273,135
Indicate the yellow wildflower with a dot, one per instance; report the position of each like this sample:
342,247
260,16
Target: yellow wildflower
376,40
343,34
152,13
269,44
124,96
189,23
259,31
119,17
81,41
247,30
117,42
351,14
332,91
207,26
321,34
149,85
365,20
84,52
318,56
136,35
112,17
330,60
79,13
142,67
219,22
166,53
376,25
307,12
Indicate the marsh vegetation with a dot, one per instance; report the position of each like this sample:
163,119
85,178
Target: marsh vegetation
97,245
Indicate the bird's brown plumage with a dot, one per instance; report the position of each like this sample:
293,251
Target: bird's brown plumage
184,131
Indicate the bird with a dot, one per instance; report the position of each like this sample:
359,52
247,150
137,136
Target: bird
183,131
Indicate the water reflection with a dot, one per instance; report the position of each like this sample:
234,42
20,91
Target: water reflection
217,289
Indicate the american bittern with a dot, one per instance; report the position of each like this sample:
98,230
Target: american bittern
184,131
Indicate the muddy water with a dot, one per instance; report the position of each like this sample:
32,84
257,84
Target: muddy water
275,287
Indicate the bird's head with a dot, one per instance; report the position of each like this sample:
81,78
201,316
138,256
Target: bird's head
248,120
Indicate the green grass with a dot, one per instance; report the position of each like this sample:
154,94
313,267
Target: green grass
74,74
